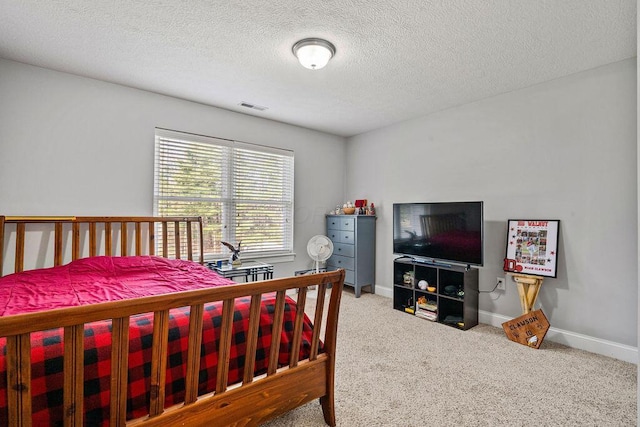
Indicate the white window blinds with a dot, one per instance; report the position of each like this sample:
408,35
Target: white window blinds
244,192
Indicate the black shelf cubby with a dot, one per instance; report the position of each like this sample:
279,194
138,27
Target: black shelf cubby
453,302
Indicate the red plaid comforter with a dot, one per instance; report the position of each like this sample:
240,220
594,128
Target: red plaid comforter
47,361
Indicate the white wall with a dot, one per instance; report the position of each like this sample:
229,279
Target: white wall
566,150
76,146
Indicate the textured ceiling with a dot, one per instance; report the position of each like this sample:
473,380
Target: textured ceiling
395,60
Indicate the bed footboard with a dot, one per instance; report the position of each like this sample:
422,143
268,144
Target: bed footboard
250,402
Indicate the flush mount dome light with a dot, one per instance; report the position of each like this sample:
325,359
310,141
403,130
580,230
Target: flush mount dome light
313,53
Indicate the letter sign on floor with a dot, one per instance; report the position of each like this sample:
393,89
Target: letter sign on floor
528,329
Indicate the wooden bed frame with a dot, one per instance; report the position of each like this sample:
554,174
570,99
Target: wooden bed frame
251,402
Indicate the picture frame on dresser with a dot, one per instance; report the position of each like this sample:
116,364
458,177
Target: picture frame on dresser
354,249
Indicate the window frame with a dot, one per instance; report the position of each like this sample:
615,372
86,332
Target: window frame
228,189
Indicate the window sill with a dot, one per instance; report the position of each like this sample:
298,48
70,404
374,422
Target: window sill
274,259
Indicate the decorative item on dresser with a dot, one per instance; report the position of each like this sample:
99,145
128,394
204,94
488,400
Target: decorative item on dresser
114,339
354,242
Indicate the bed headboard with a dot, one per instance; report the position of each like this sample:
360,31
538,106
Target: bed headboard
179,237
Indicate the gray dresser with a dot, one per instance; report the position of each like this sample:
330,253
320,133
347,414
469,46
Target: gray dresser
354,249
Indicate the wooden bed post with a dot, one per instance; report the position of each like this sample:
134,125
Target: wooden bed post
58,244
189,242
328,400
138,239
92,239
19,379
1,244
165,244
20,231
124,244
200,223
119,366
73,375
108,239
152,238
176,236
76,241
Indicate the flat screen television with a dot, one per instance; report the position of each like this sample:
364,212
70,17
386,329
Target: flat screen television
447,232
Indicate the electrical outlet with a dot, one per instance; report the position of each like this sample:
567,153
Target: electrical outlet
501,285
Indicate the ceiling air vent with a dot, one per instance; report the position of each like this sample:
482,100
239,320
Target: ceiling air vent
253,106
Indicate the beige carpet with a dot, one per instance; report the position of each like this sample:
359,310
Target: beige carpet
394,369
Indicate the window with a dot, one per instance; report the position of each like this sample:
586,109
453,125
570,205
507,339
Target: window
243,192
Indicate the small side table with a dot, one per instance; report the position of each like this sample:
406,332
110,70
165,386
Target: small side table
248,269
310,271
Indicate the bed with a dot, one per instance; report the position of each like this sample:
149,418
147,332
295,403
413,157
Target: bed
98,329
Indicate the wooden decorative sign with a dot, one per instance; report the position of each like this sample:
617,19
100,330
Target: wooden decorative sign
528,329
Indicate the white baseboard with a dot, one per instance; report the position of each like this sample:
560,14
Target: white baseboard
572,339
385,292
616,350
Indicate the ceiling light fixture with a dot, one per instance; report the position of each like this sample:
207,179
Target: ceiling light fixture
313,53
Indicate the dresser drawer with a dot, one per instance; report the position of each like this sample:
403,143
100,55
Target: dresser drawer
344,250
341,223
339,236
349,275
333,223
334,235
339,261
347,237
347,223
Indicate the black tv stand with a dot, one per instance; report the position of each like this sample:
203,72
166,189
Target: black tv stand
452,298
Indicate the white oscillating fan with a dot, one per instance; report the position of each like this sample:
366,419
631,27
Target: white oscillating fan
319,249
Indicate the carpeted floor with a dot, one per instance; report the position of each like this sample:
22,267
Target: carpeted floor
394,369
